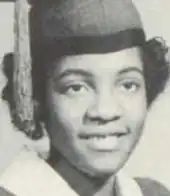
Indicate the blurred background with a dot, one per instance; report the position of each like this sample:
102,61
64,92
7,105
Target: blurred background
152,156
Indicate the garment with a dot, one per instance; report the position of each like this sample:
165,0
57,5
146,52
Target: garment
4,192
31,176
149,188
152,188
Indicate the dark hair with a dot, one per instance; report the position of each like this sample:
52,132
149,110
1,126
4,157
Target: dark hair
156,72
156,67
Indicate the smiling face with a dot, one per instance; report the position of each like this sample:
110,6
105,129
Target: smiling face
97,105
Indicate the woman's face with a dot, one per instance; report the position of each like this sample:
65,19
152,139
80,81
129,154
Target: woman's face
97,105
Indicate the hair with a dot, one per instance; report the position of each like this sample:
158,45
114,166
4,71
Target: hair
156,67
156,73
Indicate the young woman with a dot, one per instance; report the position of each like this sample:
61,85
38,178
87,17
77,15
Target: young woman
94,79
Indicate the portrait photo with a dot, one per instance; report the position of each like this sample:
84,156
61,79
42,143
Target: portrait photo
85,90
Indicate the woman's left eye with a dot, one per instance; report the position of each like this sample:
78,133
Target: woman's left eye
130,86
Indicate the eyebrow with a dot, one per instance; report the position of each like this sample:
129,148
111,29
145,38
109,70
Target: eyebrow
84,73
78,72
131,69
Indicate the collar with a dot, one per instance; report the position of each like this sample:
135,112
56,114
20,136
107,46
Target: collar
126,186
25,177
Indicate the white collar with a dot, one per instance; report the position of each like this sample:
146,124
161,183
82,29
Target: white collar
25,177
127,186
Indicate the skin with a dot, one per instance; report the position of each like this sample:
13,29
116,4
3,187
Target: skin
92,96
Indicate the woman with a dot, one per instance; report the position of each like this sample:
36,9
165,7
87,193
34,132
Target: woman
94,79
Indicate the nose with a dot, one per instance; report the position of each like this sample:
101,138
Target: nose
105,108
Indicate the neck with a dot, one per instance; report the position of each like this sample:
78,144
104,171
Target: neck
81,183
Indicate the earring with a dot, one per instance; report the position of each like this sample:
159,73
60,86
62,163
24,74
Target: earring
39,142
34,132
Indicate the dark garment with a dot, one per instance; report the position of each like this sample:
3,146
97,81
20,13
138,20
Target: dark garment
148,187
152,188
4,192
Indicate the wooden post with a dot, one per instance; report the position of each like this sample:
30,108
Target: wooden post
22,79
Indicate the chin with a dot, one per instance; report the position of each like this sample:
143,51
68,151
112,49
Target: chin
104,168
101,173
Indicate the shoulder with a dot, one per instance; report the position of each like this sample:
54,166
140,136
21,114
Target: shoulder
151,187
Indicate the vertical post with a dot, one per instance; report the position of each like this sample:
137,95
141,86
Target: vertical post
22,77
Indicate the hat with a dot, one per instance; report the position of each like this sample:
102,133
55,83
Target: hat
78,26
68,18
61,27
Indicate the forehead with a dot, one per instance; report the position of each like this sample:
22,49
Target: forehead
99,63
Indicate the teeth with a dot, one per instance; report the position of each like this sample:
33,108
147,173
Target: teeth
96,136
99,137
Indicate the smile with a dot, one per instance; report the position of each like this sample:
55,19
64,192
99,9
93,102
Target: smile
87,136
103,142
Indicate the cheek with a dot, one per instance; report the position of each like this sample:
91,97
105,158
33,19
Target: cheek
66,114
135,111
70,109
135,108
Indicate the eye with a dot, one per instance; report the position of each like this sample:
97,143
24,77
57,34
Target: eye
74,89
130,86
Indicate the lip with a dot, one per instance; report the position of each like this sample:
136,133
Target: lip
108,144
102,133
103,140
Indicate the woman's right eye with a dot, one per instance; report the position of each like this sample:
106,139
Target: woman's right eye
74,89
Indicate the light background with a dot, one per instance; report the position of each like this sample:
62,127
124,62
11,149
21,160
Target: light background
152,156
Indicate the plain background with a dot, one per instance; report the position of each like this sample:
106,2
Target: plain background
152,156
